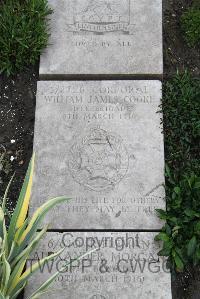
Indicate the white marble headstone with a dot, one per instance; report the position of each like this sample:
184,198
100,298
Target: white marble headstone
101,144
124,266
104,37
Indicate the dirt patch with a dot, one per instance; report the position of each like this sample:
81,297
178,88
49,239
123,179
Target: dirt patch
177,55
187,285
17,114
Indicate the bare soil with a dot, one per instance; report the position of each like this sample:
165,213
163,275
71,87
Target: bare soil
17,114
177,55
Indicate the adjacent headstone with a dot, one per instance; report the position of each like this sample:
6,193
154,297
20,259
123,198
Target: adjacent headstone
101,144
125,266
104,37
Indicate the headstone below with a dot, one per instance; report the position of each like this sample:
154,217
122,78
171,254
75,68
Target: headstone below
101,144
104,37
125,266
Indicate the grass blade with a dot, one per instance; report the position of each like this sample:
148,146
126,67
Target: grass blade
21,209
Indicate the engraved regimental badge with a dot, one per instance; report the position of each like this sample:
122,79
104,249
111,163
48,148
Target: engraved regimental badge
101,16
99,160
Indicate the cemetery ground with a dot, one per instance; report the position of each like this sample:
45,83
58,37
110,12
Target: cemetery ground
17,107
177,54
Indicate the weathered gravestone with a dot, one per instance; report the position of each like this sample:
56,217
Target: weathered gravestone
101,144
125,266
104,37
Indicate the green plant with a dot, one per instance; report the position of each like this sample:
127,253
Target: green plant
23,33
181,112
181,234
190,23
20,239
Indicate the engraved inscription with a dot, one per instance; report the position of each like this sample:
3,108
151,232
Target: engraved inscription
99,160
101,144
101,16
98,297
124,265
